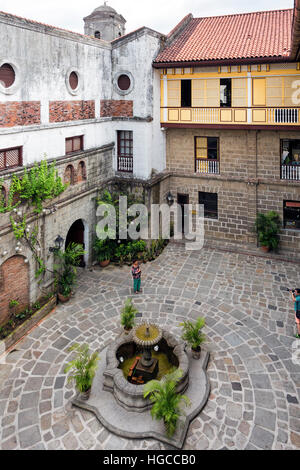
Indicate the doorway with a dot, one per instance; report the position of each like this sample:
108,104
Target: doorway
183,221
76,235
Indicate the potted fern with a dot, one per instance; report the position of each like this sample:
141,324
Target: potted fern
167,403
128,315
193,336
83,369
267,227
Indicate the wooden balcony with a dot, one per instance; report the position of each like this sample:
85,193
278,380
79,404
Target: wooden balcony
290,172
232,116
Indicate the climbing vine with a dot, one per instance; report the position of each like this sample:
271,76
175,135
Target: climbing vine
37,185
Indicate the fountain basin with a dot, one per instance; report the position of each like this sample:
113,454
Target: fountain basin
131,396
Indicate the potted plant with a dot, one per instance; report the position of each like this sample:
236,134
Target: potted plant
267,227
193,336
103,251
65,269
167,403
128,315
83,369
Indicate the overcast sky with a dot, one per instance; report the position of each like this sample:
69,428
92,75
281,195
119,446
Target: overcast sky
161,15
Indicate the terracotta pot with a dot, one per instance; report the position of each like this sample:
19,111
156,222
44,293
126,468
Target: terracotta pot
196,353
104,263
127,331
85,395
265,248
62,298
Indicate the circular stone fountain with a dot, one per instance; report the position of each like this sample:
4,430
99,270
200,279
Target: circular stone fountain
137,345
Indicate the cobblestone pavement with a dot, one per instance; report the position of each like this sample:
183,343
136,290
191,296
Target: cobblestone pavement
254,400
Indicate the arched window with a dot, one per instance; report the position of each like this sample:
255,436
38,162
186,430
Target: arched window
69,176
81,173
97,35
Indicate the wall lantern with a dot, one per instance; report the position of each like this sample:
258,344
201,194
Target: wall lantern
58,244
170,198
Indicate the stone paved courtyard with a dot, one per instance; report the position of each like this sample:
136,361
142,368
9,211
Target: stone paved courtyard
255,386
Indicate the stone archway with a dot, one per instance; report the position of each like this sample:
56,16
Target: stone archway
78,234
14,285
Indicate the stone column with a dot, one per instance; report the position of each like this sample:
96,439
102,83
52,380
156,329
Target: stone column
252,183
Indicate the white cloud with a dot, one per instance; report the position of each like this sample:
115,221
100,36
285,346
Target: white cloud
156,14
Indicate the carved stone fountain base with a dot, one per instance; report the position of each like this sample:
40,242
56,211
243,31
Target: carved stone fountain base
147,373
135,425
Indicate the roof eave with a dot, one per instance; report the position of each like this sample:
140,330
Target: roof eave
217,62
295,52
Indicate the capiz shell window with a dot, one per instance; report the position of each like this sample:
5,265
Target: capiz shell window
74,144
10,158
125,151
207,147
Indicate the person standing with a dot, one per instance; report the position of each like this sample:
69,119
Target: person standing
136,274
296,299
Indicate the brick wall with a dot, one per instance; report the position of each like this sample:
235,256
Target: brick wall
61,111
14,285
116,108
20,113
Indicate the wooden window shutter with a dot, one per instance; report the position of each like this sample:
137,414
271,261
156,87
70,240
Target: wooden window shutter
239,92
259,92
174,93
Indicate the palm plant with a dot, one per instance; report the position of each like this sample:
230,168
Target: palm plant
167,403
65,267
128,314
192,333
82,368
267,227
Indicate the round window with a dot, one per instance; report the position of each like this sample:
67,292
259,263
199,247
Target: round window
73,80
124,82
7,75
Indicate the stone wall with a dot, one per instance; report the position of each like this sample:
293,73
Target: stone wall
249,180
76,202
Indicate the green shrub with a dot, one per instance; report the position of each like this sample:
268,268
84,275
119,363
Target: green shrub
267,227
128,314
167,403
192,332
82,368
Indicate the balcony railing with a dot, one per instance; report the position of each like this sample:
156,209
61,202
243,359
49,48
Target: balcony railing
290,172
239,116
125,164
207,166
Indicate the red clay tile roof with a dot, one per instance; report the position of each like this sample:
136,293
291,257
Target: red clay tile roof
241,36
